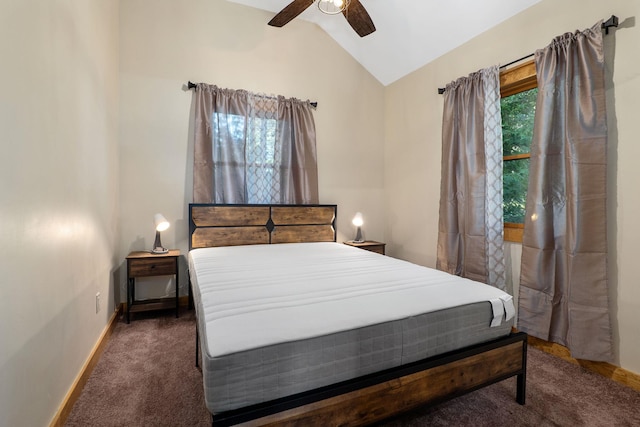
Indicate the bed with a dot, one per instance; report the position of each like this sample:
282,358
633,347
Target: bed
294,328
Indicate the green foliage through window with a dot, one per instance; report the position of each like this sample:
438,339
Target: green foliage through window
518,112
515,181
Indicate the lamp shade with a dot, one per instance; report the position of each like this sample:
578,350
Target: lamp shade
357,220
160,222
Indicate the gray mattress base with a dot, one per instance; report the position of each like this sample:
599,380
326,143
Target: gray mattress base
259,375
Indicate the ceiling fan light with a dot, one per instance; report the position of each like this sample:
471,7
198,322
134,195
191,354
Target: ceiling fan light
332,7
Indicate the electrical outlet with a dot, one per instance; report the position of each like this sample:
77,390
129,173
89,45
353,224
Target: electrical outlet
97,302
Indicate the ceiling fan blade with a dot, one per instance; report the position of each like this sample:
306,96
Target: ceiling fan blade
359,18
293,9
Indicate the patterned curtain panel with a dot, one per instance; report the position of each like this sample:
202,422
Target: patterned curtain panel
563,282
252,148
470,228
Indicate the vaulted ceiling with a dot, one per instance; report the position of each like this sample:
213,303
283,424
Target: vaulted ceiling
409,33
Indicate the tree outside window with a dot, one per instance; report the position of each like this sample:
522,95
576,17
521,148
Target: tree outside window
518,105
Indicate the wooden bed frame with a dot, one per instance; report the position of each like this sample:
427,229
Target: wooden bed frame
367,399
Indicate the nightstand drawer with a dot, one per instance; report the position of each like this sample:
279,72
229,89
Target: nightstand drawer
152,267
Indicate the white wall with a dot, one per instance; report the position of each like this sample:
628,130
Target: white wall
165,43
58,196
413,114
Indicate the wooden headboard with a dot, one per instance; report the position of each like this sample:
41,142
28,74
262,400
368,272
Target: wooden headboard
230,225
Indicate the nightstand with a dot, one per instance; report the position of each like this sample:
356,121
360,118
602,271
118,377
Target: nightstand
368,245
147,264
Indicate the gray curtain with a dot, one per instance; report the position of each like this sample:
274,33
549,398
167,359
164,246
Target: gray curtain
470,227
252,148
563,283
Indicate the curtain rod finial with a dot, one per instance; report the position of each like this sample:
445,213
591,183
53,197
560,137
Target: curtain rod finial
611,22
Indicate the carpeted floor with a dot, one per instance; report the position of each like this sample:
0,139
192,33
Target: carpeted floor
146,377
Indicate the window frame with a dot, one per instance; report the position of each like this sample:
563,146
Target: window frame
519,78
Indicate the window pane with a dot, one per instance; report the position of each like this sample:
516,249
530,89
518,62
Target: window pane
246,148
518,112
516,179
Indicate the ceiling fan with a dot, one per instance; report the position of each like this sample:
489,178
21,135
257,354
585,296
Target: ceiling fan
355,13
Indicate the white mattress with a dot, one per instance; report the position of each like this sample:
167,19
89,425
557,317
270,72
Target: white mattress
277,320
260,295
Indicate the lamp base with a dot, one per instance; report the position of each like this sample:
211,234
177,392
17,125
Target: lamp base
358,238
157,245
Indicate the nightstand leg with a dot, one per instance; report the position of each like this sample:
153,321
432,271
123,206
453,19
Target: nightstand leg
177,290
130,287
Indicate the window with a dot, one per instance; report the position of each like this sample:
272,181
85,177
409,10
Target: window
253,141
518,89
253,148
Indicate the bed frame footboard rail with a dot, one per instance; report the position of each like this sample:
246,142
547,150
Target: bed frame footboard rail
374,397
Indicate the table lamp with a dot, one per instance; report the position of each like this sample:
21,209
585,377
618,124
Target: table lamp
358,221
161,225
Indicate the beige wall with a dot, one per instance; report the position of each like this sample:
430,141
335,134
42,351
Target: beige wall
94,123
165,43
413,114
58,196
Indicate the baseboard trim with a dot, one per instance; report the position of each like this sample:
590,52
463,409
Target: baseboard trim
183,301
76,389
616,373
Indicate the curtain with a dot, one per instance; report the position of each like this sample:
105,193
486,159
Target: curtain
563,283
252,148
470,227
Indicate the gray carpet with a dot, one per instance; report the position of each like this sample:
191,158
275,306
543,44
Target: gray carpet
146,377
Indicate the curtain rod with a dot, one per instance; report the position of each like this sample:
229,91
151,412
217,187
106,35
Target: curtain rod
611,22
191,85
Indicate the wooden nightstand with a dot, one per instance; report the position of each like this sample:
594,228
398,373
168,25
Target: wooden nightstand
368,245
147,264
